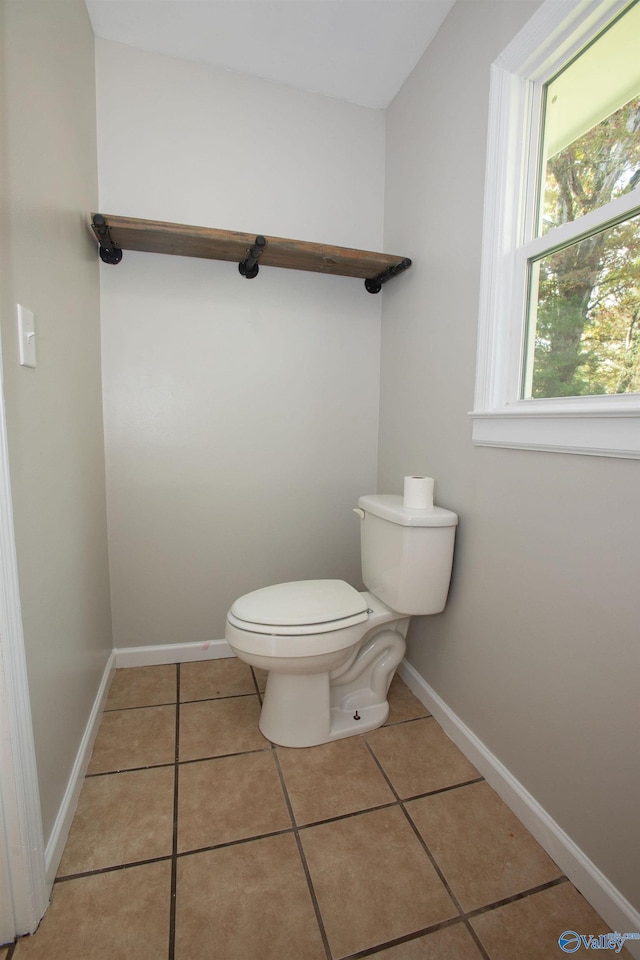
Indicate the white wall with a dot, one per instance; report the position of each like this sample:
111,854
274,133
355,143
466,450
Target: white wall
240,416
537,651
54,414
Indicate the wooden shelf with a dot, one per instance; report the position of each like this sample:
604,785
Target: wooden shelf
115,234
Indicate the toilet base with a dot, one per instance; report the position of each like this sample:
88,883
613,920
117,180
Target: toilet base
296,712
295,709
345,724
310,709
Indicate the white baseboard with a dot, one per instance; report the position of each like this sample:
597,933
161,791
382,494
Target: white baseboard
583,873
152,656
62,825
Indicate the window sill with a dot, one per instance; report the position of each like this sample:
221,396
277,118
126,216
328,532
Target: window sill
587,427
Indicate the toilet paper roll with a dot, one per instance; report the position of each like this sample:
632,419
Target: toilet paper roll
418,493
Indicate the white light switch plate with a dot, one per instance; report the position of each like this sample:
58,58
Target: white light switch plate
27,336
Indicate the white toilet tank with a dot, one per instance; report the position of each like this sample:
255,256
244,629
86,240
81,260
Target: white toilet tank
407,554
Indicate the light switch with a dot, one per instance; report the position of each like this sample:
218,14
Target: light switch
27,336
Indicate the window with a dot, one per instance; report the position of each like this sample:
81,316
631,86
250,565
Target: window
559,336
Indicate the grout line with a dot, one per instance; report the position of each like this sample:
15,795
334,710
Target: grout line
111,869
224,756
110,773
452,786
348,816
225,696
446,885
139,706
406,938
381,768
234,843
255,682
399,723
478,911
432,859
174,850
303,859
171,703
476,939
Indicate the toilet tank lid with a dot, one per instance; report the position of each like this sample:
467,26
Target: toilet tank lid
301,602
390,506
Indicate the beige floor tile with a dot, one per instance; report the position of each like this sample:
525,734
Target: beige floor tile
213,728
373,880
332,779
483,850
419,757
403,704
110,916
121,818
246,902
230,798
128,739
529,928
142,687
208,679
451,943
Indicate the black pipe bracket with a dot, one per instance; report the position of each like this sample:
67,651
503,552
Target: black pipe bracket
109,251
249,268
374,284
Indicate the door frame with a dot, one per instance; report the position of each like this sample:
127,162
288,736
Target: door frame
24,891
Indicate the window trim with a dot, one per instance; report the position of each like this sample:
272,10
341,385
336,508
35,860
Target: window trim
598,426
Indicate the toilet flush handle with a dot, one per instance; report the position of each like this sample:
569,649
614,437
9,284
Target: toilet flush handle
359,512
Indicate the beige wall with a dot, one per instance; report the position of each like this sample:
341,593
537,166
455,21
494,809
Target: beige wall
241,416
49,184
537,651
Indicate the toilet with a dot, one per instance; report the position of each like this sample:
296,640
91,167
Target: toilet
331,651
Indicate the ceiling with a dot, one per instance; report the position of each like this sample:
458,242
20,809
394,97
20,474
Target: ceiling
361,51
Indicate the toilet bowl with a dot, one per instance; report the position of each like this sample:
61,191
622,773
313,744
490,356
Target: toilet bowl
316,687
331,651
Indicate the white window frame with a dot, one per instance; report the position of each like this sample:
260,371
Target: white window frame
600,426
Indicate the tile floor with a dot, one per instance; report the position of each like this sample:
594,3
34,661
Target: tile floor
196,838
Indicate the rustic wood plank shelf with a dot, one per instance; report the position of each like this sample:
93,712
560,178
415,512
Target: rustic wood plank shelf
115,234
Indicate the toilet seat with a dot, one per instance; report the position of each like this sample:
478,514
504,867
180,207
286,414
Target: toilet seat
300,608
